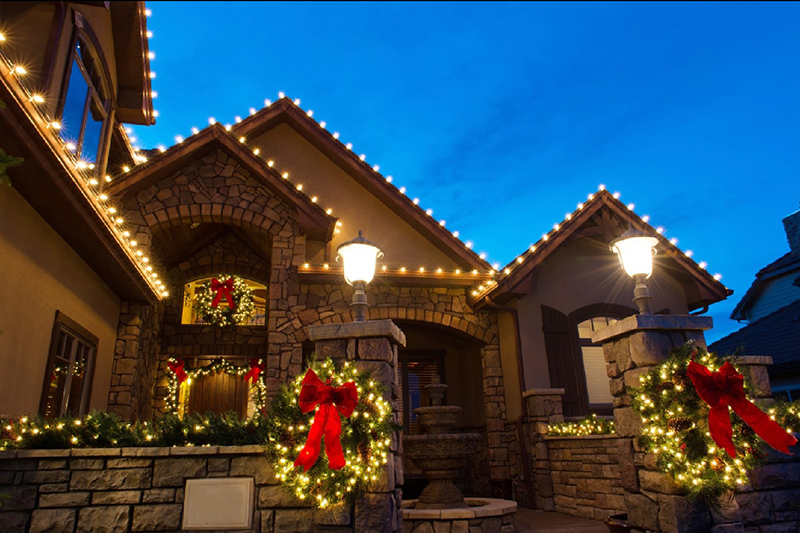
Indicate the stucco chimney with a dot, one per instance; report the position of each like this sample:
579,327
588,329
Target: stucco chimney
792,226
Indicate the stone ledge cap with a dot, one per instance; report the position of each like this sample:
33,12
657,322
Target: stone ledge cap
635,323
543,392
358,330
752,360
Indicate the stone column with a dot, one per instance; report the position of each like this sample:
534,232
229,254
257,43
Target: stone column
373,346
633,347
544,408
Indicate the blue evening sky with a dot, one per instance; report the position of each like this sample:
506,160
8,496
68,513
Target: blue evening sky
503,116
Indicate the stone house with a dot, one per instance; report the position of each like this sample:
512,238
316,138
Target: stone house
102,244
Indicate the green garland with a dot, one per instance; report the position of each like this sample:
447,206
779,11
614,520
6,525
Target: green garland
259,388
366,437
590,425
222,315
675,428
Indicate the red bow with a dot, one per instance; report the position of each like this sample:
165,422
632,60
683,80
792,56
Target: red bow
726,388
326,422
223,289
256,367
177,367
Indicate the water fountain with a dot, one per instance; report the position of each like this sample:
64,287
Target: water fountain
440,454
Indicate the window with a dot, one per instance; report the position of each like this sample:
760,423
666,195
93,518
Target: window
68,377
594,364
85,108
417,369
190,290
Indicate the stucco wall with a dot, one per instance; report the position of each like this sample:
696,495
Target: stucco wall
42,274
579,274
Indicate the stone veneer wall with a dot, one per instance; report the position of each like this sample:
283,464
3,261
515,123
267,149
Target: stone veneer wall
142,489
585,475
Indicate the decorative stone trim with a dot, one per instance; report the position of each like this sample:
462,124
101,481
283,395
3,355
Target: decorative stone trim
483,514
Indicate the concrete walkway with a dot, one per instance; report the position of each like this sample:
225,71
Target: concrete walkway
528,521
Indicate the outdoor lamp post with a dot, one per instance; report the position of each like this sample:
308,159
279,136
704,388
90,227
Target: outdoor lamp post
635,250
359,257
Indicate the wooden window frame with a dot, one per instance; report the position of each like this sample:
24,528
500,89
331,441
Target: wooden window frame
63,323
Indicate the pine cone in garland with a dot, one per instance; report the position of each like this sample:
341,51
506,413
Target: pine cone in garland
679,424
681,378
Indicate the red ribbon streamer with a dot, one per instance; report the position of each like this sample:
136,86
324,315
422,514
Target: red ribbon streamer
177,367
256,367
326,422
223,290
726,388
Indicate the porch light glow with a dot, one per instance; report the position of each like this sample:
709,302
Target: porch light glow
635,250
359,258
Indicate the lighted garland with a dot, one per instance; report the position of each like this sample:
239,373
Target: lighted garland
258,388
213,306
676,428
590,425
365,438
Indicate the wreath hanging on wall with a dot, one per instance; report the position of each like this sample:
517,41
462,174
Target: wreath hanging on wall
707,448
347,408
224,301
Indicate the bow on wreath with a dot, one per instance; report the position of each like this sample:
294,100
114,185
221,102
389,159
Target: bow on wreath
326,422
256,367
726,388
223,290
177,367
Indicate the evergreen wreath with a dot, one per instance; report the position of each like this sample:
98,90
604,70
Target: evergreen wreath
223,314
365,438
676,428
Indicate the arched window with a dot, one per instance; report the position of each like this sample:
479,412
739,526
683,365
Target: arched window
594,365
257,318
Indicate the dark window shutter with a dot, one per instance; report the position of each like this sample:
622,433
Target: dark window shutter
564,361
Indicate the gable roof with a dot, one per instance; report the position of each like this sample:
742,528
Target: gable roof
776,335
510,277
783,264
215,137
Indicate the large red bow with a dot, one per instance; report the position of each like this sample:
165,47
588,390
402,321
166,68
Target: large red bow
223,290
256,367
326,422
726,388
177,367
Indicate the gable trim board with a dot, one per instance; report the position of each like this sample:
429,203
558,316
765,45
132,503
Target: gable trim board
763,275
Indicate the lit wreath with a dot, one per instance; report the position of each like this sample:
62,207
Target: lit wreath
676,425
233,291
365,436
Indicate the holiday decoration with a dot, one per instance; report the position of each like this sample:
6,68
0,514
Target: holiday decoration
591,425
236,294
674,400
250,372
306,409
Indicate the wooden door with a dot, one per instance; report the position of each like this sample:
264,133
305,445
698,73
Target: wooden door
219,393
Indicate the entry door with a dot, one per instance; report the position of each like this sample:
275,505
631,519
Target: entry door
219,393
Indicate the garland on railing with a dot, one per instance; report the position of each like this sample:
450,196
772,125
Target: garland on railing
590,425
252,372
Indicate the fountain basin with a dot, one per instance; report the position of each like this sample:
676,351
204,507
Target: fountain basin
487,514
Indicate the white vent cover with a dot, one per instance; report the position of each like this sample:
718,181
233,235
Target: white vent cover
218,503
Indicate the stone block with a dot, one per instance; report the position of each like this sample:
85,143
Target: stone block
772,476
219,464
116,497
52,521
173,472
127,462
96,519
650,348
642,511
18,498
627,421
755,507
657,482
16,522
157,517
678,514
52,464
375,349
632,376
255,466
122,479
294,520
334,515
64,499
373,513
158,496
86,464
267,520
46,476
727,510
279,496
728,528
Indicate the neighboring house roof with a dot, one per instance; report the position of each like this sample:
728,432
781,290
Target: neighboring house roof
785,263
776,335
510,277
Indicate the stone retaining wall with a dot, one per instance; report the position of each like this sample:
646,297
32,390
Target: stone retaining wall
585,475
142,489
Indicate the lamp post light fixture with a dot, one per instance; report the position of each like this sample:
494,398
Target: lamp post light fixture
359,257
635,250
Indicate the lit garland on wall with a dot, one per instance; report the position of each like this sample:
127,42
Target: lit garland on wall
258,388
676,429
366,437
80,171
591,425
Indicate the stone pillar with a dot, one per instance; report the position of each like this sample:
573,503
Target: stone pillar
633,347
544,408
373,346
